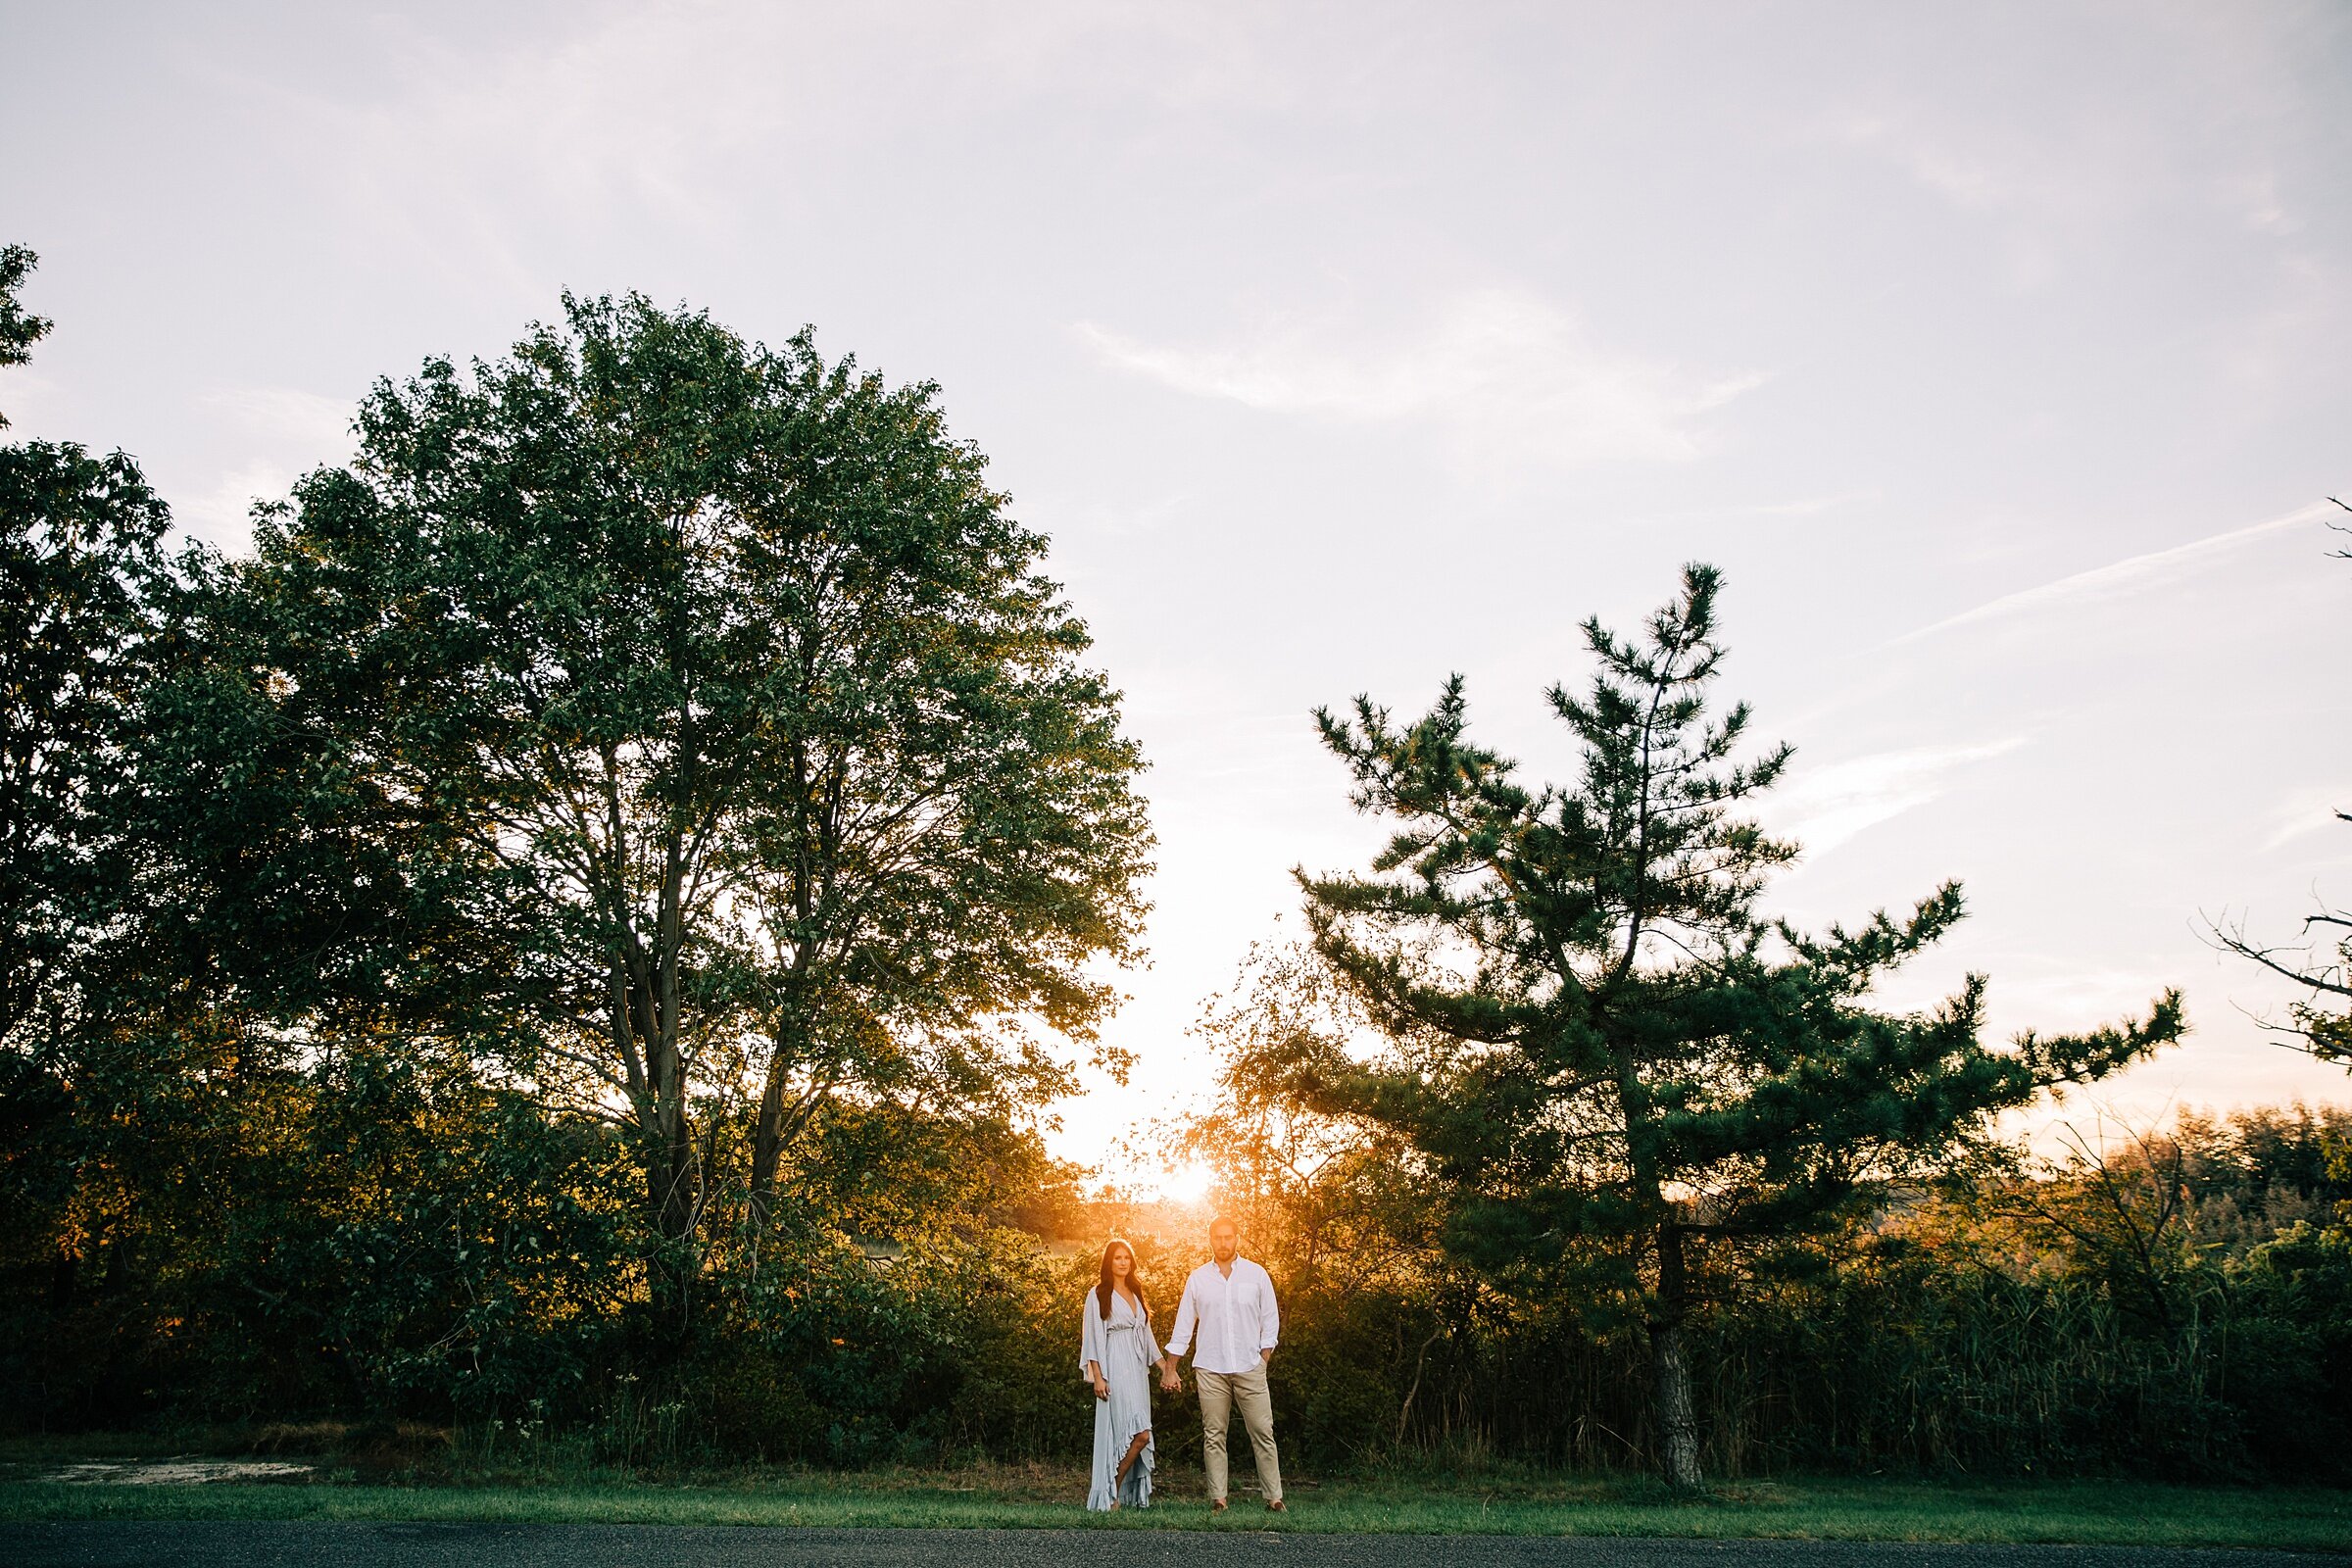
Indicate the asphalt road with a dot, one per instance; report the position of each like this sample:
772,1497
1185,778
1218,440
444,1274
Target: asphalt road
477,1545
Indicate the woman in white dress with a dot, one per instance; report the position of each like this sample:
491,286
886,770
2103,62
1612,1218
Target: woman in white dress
1116,1352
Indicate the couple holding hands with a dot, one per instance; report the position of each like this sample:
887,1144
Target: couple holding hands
1228,1319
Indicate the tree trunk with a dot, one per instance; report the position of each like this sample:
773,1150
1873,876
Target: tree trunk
674,1173
785,1109
673,1193
1678,1425
787,1045
767,1143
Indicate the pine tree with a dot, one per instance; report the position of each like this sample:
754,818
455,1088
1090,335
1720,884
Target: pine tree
1601,1048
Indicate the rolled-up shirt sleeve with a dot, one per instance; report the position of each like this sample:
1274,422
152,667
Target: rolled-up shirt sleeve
1187,1315
1269,1316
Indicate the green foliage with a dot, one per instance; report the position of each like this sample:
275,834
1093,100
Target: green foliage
1589,1034
2301,1285
249,1234
85,587
2108,1313
20,329
380,1232
520,948
2253,1173
679,721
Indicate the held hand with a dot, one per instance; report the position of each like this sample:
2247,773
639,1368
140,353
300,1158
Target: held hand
1170,1381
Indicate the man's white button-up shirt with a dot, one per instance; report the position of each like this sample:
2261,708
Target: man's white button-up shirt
1235,1316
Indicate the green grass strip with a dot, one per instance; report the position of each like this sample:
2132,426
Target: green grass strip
2089,1514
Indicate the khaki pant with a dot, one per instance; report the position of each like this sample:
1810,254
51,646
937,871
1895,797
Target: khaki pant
1220,1391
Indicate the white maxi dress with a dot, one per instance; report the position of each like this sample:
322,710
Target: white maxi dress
1123,1346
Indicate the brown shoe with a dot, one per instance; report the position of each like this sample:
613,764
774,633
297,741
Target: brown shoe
1276,1506
1216,1505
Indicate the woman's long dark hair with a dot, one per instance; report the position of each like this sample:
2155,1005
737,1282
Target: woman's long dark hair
1135,1280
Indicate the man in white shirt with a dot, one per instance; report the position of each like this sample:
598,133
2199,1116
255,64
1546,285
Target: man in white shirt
1229,1303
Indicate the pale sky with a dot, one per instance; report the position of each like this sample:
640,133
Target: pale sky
1996,353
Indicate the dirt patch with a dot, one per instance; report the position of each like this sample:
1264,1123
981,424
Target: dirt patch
176,1472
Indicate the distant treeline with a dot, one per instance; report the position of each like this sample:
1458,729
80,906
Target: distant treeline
569,942
353,1240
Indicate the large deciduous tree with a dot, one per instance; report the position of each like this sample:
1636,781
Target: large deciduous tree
688,715
1591,1034
84,579
87,593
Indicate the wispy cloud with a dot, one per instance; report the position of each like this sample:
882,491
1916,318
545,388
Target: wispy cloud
1498,373
1796,506
1963,178
1832,804
2130,575
284,413
1805,506
2306,811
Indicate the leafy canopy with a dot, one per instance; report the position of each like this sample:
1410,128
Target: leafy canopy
85,585
681,716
